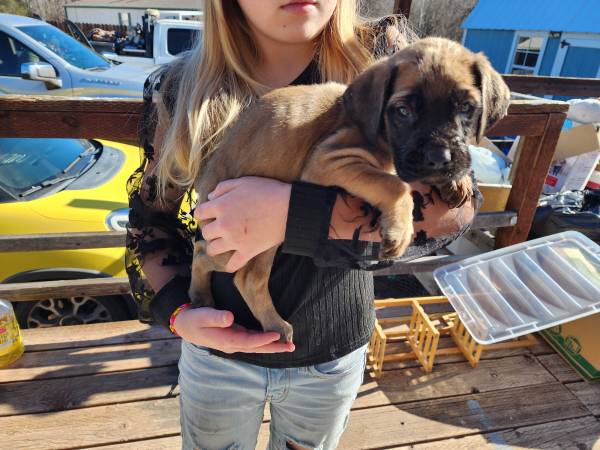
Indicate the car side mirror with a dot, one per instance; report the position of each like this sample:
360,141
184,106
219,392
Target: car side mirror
41,71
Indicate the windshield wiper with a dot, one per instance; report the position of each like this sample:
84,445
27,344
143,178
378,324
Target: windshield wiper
45,184
83,154
94,150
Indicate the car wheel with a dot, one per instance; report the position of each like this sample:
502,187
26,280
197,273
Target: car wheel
70,311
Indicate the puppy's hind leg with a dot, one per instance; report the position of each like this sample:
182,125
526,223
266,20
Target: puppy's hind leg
202,266
252,281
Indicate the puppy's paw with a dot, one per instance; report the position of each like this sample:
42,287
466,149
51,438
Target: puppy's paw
285,330
456,193
394,242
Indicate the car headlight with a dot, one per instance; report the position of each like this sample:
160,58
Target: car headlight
118,220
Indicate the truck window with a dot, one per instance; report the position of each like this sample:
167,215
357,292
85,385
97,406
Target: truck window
12,55
179,40
65,47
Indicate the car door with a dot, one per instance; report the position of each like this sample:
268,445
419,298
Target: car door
13,53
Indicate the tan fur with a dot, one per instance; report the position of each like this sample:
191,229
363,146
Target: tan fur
307,133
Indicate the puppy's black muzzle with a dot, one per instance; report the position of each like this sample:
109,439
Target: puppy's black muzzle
433,163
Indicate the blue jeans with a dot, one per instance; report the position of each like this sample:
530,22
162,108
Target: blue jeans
222,401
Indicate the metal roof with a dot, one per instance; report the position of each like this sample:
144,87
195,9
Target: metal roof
578,16
187,5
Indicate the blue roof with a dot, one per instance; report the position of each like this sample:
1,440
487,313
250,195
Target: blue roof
575,16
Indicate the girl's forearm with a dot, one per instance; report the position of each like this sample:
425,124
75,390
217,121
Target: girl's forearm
432,216
155,272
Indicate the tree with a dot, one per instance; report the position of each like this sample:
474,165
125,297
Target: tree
47,9
13,7
427,17
440,17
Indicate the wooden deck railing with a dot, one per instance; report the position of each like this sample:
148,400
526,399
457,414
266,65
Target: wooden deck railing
561,86
537,121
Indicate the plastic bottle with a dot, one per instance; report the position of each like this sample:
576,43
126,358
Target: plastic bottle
11,341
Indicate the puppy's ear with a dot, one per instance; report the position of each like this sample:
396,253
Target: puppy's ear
495,95
366,97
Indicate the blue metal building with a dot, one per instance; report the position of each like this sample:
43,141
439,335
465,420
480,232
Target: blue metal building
538,37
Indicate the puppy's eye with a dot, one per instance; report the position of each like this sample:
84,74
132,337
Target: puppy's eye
466,108
403,110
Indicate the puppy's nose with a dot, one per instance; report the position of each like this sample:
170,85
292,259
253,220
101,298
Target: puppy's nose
438,158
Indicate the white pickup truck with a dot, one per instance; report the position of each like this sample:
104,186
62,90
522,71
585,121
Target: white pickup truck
163,39
37,58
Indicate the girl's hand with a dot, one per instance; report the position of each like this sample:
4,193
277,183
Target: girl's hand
215,329
250,215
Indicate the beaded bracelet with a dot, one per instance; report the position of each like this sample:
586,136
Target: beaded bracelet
174,315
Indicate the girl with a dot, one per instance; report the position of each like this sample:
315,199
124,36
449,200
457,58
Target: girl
228,368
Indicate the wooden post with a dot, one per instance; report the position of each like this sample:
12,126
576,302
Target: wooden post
534,161
402,7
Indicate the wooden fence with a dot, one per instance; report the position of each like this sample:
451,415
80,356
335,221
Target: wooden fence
538,121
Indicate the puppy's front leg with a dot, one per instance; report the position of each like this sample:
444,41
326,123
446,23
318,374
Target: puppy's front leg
355,171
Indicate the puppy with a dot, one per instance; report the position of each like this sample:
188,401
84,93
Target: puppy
407,118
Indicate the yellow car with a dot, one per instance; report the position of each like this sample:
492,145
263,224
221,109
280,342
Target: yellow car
58,186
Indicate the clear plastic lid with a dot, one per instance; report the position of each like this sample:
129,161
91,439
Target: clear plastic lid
524,288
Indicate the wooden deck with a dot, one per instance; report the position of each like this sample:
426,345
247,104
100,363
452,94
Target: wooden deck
114,386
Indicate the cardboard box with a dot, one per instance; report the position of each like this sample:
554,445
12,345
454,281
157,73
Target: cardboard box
568,172
495,196
594,181
577,141
578,342
571,174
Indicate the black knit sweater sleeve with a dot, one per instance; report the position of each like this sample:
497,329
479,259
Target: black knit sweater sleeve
308,226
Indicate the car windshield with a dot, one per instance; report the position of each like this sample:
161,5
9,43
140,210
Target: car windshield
66,47
37,163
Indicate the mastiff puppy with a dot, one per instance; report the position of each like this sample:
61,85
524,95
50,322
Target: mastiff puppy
409,117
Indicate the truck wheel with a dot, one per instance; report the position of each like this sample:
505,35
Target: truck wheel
70,311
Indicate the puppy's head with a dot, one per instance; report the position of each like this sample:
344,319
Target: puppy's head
427,102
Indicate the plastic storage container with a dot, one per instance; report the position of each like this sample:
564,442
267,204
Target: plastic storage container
524,288
11,341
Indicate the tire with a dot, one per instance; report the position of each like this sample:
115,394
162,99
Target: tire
71,311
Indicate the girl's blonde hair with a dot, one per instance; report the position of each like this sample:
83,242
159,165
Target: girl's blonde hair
213,82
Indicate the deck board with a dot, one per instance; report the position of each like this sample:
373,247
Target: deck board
558,367
115,386
92,360
589,394
369,428
566,434
54,338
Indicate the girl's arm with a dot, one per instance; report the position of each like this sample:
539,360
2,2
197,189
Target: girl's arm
323,223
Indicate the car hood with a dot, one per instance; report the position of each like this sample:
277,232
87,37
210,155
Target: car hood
123,80
90,205
130,70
